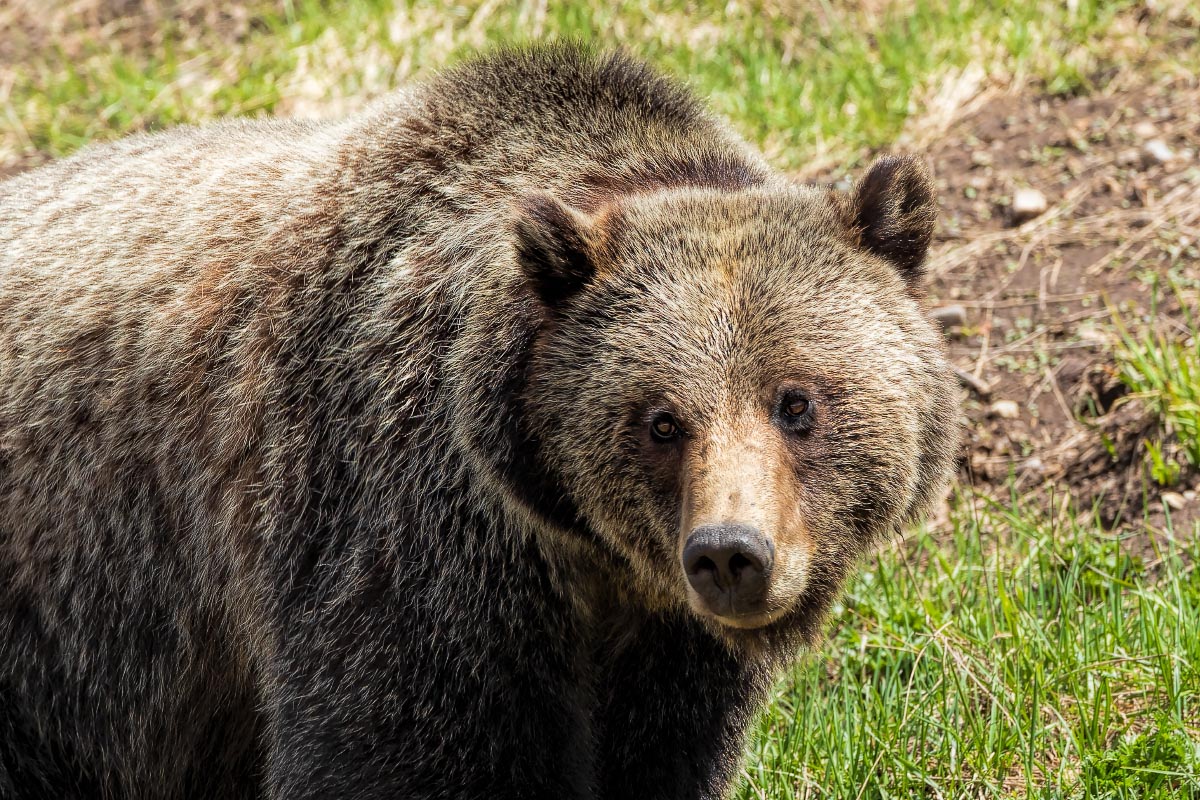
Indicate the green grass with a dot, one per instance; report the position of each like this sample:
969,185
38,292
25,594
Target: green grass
1021,655
804,80
1162,370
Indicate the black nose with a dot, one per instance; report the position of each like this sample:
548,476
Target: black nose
729,567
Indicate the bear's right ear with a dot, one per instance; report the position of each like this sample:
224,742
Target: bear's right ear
552,247
893,211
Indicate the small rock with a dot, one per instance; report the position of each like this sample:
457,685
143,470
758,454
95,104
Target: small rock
1129,157
1005,409
1156,151
949,316
1089,333
1027,204
1173,500
981,158
1145,130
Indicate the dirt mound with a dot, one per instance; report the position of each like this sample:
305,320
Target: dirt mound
1041,291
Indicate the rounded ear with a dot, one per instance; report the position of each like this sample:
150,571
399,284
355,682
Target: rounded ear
551,241
893,209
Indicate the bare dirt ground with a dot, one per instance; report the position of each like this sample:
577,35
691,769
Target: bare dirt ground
1042,298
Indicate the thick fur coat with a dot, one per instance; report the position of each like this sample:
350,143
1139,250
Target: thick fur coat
324,463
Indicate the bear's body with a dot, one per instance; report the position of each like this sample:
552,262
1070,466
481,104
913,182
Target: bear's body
320,468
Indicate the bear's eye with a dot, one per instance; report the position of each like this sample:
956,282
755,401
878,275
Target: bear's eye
664,428
796,411
796,407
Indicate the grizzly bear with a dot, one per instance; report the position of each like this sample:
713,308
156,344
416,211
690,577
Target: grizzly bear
502,440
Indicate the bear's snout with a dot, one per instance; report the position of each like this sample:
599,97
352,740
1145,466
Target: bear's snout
729,567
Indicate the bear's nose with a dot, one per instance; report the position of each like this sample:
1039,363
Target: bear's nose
729,566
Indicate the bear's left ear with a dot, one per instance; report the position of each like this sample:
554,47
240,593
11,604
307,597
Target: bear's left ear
552,246
893,209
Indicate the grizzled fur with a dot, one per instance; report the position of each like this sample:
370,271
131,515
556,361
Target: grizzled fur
324,467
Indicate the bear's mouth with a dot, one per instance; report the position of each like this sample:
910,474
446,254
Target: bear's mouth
752,621
742,620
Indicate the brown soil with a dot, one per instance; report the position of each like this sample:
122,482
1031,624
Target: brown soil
1043,298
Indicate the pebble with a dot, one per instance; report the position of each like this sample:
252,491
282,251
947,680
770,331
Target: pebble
981,158
1089,333
1156,151
1145,130
1129,157
1027,204
1005,409
1173,500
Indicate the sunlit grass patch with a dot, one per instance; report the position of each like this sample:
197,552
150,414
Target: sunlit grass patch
803,80
1021,655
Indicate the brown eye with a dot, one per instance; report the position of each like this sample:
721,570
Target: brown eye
796,407
664,428
796,412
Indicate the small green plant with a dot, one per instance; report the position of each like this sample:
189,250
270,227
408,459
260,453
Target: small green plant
1162,369
1163,469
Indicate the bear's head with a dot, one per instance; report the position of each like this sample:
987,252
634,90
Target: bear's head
734,393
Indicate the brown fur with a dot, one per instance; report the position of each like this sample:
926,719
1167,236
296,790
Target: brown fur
324,464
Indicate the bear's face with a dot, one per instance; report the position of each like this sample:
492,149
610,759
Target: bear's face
739,390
